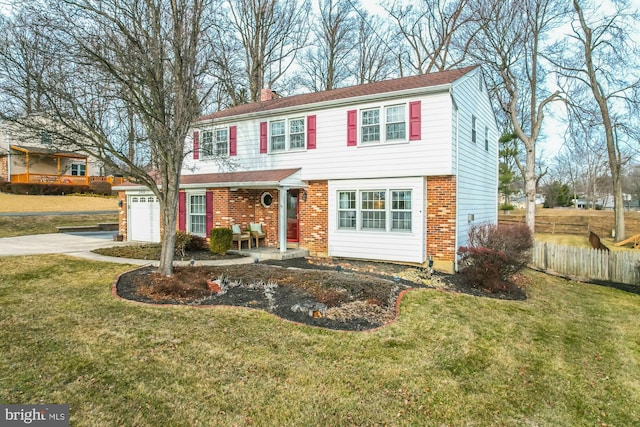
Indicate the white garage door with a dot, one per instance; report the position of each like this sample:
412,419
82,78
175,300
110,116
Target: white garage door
144,218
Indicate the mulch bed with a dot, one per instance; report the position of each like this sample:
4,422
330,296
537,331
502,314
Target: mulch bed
329,293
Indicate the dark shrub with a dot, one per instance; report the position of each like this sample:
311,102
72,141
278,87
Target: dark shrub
196,243
220,240
182,241
100,187
494,254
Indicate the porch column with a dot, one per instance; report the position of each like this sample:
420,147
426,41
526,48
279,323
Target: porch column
282,218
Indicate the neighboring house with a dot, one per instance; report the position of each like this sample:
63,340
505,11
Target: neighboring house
396,170
30,157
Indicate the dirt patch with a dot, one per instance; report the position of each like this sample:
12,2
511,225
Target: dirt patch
329,293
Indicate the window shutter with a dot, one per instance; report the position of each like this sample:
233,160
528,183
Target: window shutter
196,145
352,128
182,211
209,210
311,132
263,137
415,121
233,146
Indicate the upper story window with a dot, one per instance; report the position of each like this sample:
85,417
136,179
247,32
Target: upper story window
474,132
215,142
486,138
394,119
45,137
287,135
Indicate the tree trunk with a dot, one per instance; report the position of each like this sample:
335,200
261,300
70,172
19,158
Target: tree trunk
530,187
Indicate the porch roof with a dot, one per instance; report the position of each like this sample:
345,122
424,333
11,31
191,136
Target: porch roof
48,152
249,179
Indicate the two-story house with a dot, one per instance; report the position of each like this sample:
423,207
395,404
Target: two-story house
30,156
394,171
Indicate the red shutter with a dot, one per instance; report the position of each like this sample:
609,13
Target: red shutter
415,121
182,211
233,146
196,145
263,137
209,210
352,128
311,132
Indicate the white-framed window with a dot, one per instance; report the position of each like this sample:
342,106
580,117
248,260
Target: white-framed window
370,125
206,145
215,142
401,210
474,132
486,138
375,210
394,118
285,135
396,122
222,142
347,210
197,214
278,136
78,169
45,137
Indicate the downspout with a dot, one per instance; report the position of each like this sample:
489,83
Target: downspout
457,143
8,138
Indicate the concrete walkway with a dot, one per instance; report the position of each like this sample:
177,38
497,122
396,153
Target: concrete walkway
81,244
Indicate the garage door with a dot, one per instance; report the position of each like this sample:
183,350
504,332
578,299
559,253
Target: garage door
144,218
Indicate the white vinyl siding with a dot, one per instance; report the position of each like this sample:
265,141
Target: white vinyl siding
381,219
333,159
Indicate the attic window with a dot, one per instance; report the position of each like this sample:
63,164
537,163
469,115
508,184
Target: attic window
45,137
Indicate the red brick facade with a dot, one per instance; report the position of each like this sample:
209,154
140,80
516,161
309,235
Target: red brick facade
243,206
314,219
441,220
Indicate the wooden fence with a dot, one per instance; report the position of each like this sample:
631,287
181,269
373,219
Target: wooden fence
584,263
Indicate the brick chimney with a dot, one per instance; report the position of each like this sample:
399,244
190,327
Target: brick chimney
267,95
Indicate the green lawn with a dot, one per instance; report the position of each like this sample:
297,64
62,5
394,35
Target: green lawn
11,226
569,355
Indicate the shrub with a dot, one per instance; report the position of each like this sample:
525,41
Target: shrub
196,243
506,207
220,240
494,254
101,187
182,241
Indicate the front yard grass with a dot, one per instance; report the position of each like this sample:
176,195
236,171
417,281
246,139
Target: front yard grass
11,226
569,355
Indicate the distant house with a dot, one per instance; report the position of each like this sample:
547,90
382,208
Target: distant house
30,157
396,170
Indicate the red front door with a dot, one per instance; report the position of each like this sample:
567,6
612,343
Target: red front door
293,229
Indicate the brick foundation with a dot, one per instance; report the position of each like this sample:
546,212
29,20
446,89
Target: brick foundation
441,221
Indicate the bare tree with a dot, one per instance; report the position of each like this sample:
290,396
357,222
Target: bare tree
271,34
374,58
112,59
433,32
326,62
510,44
601,79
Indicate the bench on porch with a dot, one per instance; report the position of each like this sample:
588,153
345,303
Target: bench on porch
257,232
239,236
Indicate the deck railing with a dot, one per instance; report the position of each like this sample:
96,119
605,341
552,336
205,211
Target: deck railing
41,178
